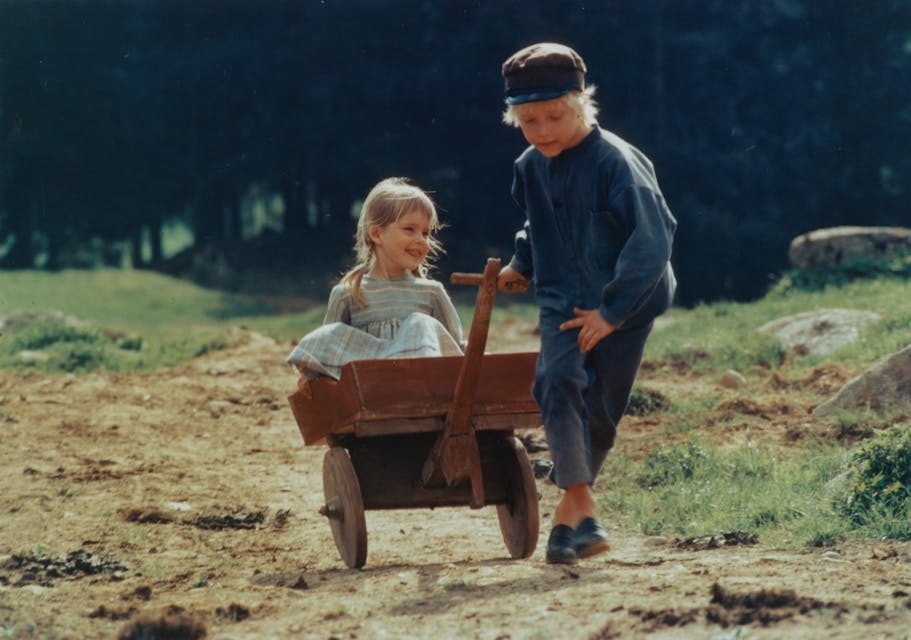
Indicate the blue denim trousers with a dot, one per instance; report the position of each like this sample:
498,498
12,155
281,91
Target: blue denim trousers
582,396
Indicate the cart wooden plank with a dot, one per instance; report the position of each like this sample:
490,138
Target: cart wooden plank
418,392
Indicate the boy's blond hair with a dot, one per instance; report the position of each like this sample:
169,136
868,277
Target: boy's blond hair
388,201
582,102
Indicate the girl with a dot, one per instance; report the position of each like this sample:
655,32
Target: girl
385,306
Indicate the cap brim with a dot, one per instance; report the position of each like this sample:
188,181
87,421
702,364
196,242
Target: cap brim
536,96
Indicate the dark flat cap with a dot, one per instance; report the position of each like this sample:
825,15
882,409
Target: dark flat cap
542,71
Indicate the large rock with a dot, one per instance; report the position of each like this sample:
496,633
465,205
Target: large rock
819,332
886,386
829,247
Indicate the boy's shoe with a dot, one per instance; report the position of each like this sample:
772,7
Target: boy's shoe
589,538
560,547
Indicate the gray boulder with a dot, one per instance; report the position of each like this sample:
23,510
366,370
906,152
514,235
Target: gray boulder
886,386
819,332
830,247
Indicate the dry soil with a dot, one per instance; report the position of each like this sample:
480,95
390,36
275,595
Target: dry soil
182,503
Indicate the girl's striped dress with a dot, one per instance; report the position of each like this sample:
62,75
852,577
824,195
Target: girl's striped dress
407,317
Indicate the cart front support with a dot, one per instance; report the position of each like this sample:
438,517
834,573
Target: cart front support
455,456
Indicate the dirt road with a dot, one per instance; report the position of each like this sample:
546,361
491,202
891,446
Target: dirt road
184,501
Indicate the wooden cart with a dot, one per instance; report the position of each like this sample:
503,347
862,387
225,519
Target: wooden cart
427,432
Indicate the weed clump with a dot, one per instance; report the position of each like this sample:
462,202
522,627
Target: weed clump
50,342
643,402
670,464
880,484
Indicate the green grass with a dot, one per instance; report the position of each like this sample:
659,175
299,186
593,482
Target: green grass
790,500
139,301
131,320
719,336
174,315
709,337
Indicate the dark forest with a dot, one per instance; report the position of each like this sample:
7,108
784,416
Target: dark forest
258,126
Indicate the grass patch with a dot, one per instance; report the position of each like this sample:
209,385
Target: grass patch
878,494
644,401
51,345
693,489
812,496
142,302
723,335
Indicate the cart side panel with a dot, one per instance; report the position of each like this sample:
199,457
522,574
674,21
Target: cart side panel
416,390
419,387
331,405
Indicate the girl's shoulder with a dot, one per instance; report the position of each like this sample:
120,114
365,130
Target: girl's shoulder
340,292
429,284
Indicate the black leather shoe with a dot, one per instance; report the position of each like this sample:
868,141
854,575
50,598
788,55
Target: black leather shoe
589,538
560,548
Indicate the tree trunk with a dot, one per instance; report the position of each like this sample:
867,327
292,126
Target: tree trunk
155,239
19,221
136,247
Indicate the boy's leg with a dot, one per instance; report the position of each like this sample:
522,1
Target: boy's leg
559,389
613,365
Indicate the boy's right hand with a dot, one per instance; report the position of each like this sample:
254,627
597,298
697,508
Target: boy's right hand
511,281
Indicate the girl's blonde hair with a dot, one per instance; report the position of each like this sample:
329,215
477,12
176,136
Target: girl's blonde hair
388,201
582,102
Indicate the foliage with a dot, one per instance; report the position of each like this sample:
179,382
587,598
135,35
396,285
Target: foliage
140,302
45,333
51,345
669,464
644,401
897,266
880,485
118,117
695,488
712,338
723,335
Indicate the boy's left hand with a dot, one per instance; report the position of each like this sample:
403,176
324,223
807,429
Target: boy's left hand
592,327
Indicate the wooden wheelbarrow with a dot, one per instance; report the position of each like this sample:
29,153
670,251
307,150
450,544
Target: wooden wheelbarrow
427,432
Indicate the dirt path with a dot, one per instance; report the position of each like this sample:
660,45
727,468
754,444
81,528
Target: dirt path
185,500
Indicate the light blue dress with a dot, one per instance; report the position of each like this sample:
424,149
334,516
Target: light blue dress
407,317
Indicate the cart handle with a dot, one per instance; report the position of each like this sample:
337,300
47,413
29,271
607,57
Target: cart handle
477,279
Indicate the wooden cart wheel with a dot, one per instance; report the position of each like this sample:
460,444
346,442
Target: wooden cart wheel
345,507
519,515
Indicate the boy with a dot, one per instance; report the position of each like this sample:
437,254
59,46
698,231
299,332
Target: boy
597,243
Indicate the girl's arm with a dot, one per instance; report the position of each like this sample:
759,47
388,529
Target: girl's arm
445,312
339,307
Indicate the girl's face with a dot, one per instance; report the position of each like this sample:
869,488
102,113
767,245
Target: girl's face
551,126
402,246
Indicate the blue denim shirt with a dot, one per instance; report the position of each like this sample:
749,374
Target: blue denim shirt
598,233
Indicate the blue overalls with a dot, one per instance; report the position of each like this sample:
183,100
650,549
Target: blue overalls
597,235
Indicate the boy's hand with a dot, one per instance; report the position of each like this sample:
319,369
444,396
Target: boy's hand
592,327
511,281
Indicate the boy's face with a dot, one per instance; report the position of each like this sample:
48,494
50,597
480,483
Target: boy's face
551,126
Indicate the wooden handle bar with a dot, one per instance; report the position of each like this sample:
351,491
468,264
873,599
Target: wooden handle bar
477,279
467,278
